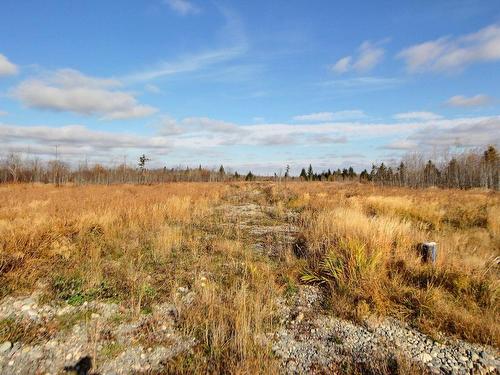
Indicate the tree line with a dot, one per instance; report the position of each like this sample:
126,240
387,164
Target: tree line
470,169
474,168
16,169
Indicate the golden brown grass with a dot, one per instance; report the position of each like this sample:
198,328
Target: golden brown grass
362,245
137,244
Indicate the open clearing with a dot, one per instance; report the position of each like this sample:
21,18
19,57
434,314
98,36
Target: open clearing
247,278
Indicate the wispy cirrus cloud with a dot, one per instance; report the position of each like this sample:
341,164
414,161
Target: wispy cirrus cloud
369,55
68,90
361,84
450,54
183,7
461,101
331,116
7,68
233,45
420,116
188,63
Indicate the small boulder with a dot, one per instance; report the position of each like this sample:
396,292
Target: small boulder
5,347
424,357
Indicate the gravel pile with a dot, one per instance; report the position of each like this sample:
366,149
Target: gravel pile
308,340
96,333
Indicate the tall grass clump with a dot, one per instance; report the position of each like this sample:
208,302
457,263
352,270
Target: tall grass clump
364,253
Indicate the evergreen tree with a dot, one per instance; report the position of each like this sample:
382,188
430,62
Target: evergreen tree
490,166
364,176
351,173
401,171
250,176
303,174
344,174
310,173
431,174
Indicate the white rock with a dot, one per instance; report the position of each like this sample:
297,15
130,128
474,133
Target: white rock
424,357
5,347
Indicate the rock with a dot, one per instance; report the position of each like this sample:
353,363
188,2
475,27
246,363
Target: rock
485,355
5,347
424,357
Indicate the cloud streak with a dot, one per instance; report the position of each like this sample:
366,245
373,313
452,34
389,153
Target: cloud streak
182,7
7,68
450,54
234,45
369,55
331,116
461,101
422,116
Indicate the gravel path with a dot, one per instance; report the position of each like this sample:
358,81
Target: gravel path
94,332
308,340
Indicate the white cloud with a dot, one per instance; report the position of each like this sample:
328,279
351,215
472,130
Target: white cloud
152,88
327,139
369,55
472,101
452,54
331,116
211,125
342,65
7,68
420,116
183,7
193,139
71,91
3,113
467,132
401,145
79,136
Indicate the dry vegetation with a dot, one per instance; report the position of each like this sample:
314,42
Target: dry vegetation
137,244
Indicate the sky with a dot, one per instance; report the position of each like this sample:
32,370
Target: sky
253,85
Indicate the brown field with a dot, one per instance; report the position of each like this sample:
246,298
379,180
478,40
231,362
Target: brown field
136,245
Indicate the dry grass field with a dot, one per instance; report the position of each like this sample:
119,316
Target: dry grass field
137,245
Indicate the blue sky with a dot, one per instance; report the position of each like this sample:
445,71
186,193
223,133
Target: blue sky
249,84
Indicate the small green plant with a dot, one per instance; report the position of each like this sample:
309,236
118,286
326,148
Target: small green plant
71,289
290,288
112,350
67,321
17,330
